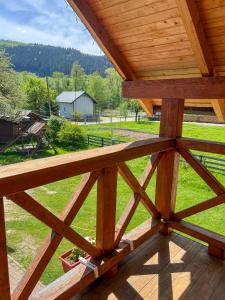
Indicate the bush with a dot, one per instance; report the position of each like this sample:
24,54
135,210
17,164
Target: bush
54,124
71,135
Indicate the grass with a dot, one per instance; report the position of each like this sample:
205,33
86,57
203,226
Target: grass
25,234
207,132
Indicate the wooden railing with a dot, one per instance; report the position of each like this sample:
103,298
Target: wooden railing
101,166
98,165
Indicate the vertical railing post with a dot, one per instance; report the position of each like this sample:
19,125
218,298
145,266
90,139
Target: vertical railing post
167,171
106,210
4,271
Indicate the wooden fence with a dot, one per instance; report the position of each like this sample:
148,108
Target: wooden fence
102,141
213,163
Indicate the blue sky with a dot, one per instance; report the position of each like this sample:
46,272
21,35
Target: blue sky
50,22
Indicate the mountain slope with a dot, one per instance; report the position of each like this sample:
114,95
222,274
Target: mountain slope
44,60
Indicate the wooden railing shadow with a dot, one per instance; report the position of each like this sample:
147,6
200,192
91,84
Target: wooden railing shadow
181,263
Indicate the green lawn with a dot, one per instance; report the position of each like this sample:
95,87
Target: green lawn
210,132
25,234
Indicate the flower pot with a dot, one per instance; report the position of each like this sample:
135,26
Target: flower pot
67,266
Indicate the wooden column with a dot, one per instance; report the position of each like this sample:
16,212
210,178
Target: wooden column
4,272
106,210
167,171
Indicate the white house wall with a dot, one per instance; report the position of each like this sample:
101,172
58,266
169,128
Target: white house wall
84,105
66,110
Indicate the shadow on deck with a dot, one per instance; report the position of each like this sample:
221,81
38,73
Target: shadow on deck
171,267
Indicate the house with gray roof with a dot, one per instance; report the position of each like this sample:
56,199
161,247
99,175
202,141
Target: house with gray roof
72,102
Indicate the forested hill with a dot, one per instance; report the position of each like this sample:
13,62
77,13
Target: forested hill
44,60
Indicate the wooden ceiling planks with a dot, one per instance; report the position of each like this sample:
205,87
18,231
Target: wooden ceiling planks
139,26
160,39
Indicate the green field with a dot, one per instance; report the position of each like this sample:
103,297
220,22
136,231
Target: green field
25,234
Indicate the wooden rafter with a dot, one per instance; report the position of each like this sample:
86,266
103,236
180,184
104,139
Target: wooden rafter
219,109
85,13
192,22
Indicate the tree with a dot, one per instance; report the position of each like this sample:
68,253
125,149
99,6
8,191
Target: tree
98,90
38,96
135,107
57,79
113,81
123,108
11,97
79,77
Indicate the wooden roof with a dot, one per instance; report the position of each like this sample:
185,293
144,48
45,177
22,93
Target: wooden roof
159,39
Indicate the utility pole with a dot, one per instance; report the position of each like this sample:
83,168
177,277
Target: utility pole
49,102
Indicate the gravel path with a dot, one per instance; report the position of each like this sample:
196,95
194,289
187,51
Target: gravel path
133,134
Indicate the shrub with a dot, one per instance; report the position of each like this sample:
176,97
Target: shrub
54,124
71,135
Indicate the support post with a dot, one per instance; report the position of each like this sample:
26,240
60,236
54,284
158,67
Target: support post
106,210
4,271
167,170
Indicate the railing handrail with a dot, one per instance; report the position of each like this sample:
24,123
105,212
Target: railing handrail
26,175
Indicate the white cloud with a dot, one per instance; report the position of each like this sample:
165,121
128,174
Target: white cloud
56,27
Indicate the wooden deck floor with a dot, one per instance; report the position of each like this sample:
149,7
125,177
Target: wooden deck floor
164,268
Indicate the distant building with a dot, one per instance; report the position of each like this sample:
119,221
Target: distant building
71,103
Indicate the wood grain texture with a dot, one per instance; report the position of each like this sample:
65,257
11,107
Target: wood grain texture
200,233
202,171
201,145
4,270
95,27
133,183
106,210
30,174
133,202
52,241
167,170
79,278
186,88
28,203
195,31
200,207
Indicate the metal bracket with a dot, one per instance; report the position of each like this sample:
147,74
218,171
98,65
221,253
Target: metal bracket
90,265
130,242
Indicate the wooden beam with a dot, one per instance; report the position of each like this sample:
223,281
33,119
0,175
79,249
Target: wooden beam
28,203
219,109
129,210
133,183
4,270
189,12
93,24
201,145
106,210
200,233
80,277
51,243
147,106
30,174
199,207
167,170
202,171
186,88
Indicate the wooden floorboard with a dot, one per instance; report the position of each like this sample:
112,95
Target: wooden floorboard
164,268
